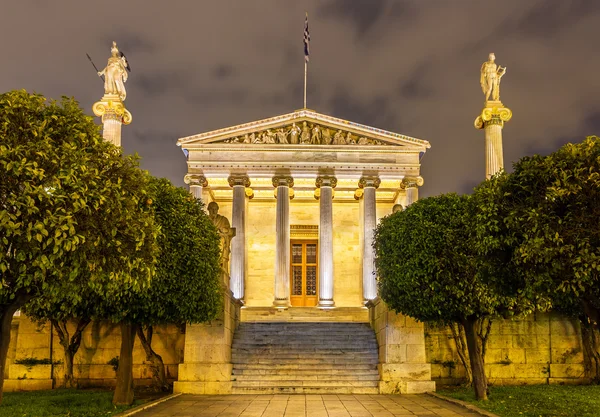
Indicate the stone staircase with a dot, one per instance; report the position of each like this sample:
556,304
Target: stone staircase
304,358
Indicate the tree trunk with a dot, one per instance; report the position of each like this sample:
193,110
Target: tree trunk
484,334
124,389
157,366
472,326
591,349
6,315
70,347
458,334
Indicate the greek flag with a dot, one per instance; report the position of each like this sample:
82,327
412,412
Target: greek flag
306,40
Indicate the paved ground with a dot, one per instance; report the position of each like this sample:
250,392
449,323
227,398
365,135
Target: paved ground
305,406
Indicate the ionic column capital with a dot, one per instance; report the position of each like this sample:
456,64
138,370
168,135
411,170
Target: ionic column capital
493,114
326,181
283,180
369,181
411,182
196,179
242,179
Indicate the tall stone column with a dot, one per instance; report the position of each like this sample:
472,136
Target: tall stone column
282,243
326,184
114,114
411,184
238,243
491,120
197,183
369,185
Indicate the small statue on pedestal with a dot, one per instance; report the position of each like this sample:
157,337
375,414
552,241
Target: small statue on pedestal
115,73
491,75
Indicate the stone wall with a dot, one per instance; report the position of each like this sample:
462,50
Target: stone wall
538,349
101,342
206,367
403,368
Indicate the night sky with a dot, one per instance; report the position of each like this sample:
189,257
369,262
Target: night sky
410,67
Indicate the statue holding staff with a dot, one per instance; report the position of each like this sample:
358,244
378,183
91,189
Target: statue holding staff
490,78
115,73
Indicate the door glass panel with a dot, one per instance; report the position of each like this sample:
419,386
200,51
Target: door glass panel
296,254
311,280
297,280
311,254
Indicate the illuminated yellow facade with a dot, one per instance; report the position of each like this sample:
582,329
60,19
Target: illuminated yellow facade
305,148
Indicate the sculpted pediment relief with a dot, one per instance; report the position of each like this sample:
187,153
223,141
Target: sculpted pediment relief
304,133
303,127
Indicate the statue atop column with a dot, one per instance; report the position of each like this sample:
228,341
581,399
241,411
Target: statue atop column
115,73
491,74
226,232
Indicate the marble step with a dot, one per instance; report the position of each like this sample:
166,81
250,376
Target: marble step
304,390
289,366
304,314
312,383
302,371
304,350
306,377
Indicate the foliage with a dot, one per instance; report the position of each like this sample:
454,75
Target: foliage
75,218
536,400
543,219
114,362
187,287
426,258
35,361
428,266
59,403
72,209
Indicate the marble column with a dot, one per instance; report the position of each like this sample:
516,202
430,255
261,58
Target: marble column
491,120
282,242
369,185
237,275
411,184
196,183
326,184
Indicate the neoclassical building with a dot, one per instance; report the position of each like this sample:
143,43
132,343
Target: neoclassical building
303,191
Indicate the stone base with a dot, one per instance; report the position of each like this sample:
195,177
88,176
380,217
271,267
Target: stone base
11,385
305,314
208,388
406,387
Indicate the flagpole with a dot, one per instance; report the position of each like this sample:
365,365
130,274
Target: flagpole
305,72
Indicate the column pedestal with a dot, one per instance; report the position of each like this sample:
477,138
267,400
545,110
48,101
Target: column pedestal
282,243
326,186
491,120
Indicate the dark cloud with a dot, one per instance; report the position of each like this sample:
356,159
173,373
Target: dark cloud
373,111
362,14
409,66
223,71
546,19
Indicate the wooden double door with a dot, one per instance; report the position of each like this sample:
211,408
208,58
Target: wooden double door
304,280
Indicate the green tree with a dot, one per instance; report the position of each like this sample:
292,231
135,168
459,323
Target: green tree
188,285
428,268
74,212
543,219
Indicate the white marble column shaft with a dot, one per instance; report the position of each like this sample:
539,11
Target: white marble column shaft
238,242
411,185
111,131
326,185
494,161
369,186
282,242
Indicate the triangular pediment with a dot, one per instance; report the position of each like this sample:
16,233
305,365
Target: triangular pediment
303,127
